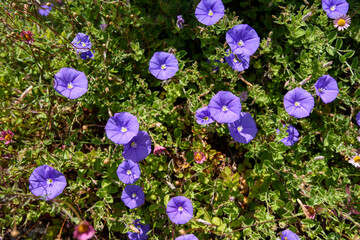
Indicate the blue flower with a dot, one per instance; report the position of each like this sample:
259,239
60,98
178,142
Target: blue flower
128,172
87,55
138,148
335,8
81,43
163,65
44,10
225,107
209,12
203,116
243,39
292,138
239,63
180,21
243,130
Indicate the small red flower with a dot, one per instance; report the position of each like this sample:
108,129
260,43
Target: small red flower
7,136
83,231
199,157
159,150
26,36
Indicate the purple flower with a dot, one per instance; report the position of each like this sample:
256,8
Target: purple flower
133,196
326,88
199,157
289,235
163,65
103,26
298,103
70,83
81,43
203,116
334,8
292,138
46,182
209,12
83,231
122,127
240,62
138,148
87,55
225,107
143,231
180,21
180,210
187,237
243,130
27,37
44,9
358,118
215,67
243,39
128,172
7,136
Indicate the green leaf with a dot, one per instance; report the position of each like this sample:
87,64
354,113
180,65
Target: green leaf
355,63
217,221
339,43
349,54
331,36
299,33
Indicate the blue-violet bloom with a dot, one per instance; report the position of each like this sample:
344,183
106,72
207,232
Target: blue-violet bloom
209,12
138,148
243,39
239,63
122,127
180,21
203,116
289,235
163,65
103,26
326,88
87,55
44,9
133,196
298,103
81,43
46,182
143,231
292,138
128,172
358,118
335,8
70,83
180,210
244,129
187,237
225,107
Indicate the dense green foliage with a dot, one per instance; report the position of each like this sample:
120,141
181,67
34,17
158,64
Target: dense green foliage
244,191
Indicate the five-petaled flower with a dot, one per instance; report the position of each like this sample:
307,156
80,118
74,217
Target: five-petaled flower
7,136
83,231
243,39
26,36
122,127
209,12
326,88
335,8
180,210
133,196
203,116
143,231
244,129
187,237
289,235
342,22
138,148
45,9
238,62
128,172
81,43
292,138
163,65
225,107
199,157
70,83
298,103
46,182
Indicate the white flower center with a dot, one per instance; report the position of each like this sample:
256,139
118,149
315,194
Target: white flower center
133,144
70,86
134,195
123,129
240,128
321,90
49,181
180,209
224,108
128,172
83,44
297,104
235,61
333,8
163,67
240,43
210,13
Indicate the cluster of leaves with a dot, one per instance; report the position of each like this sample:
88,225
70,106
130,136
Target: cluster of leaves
243,191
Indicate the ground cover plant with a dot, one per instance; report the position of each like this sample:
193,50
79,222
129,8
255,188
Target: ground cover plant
180,119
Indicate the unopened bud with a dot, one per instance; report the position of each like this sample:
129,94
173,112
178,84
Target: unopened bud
319,158
106,89
84,127
104,45
13,5
74,14
14,233
327,64
48,4
88,23
110,78
308,15
182,231
106,161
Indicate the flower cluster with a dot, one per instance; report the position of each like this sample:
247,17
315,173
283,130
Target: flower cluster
337,10
82,45
225,107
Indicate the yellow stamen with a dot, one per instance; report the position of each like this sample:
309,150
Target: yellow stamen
210,13
83,228
341,22
197,157
357,159
8,137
